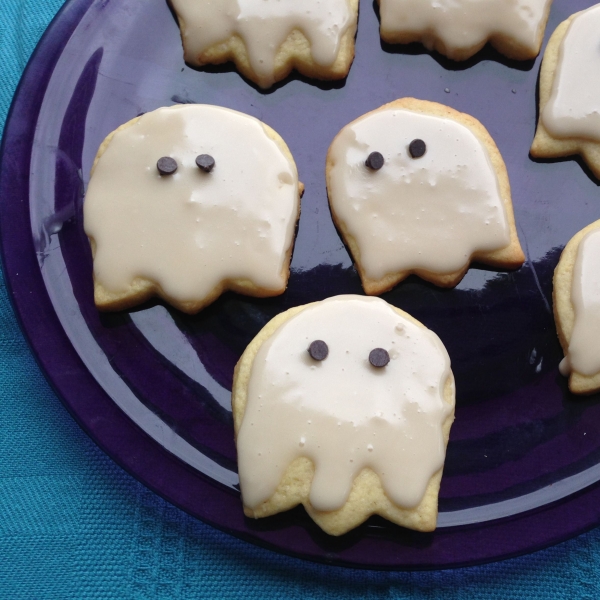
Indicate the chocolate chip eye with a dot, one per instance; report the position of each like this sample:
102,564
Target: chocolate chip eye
417,148
166,165
379,357
205,162
318,350
375,161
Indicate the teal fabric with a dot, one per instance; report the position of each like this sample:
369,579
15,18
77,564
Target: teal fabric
73,525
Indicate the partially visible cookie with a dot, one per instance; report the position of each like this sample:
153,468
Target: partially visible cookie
266,40
569,120
187,202
577,309
460,28
417,187
344,406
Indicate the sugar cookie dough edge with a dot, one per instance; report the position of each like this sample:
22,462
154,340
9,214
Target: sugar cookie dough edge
142,290
298,476
503,43
564,314
509,257
544,145
294,53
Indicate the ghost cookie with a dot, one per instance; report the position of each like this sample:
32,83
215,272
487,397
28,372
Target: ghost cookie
577,309
187,202
267,39
569,120
344,406
460,28
417,187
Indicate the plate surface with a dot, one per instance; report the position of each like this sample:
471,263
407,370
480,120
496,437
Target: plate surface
152,386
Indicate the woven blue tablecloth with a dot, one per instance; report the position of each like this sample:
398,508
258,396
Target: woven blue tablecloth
74,525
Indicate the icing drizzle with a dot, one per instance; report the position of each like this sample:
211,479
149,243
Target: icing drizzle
342,413
429,213
264,26
573,110
192,230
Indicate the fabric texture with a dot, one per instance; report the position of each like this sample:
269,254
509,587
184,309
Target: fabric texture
73,525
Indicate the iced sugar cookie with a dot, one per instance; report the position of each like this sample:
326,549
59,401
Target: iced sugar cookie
577,309
570,91
344,406
460,28
187,202
417,187
266,39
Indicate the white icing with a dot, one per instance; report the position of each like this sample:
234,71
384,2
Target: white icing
464,24
583,355
573,110
430,213
342,413
263,26
192,230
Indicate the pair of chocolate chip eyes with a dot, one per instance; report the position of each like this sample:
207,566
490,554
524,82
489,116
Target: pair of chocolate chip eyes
167,165
416,149
319,350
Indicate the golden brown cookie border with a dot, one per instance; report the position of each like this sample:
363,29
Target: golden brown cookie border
367,496
545,145
509,257
141,289
564,314
503,43
293,54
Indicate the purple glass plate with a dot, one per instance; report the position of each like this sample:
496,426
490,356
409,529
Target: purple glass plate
152,386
